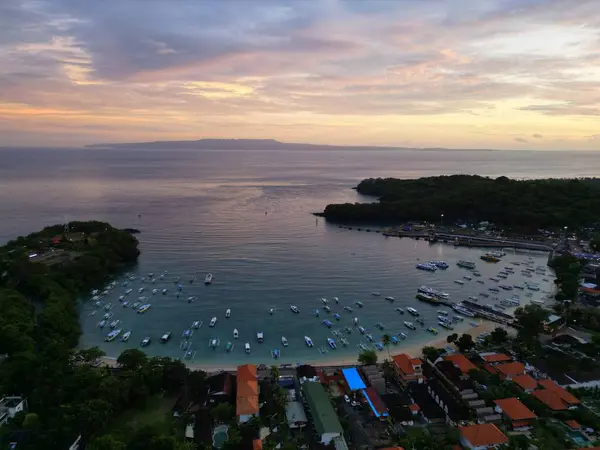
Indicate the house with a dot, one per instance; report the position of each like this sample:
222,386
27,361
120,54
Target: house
324,417
247,393
461,361
452,406
374,376
518,416
494,358
306,372
296,417
481,437
10,406
555,397
221,387
408,369
573,425
525,382
377,406
509,370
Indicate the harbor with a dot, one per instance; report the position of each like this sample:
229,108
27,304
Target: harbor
454,291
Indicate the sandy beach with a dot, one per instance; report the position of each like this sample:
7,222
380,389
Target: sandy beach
412,350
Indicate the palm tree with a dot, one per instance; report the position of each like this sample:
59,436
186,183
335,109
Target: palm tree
386,340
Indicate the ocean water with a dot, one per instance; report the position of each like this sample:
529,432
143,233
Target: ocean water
246,217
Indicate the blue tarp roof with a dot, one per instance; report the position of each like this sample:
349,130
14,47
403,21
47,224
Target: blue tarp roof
353,378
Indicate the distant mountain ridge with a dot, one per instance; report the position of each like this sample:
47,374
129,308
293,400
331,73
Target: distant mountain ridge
238,144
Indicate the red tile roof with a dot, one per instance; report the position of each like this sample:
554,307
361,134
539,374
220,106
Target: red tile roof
247,390
404,364
485,434
496,357
511,369
414,407
257,444
551,399
563,393
525,381
514,409
416,361
573,424
376,400
461,361
491,369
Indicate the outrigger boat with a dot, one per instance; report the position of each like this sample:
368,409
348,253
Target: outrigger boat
275,353
126,336
229,347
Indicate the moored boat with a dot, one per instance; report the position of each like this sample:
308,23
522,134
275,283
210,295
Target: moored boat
235,333
284,341
146,342
399,310
260,337
247,347
409,325
227,313
208,278
213,322
359,304
331,343
275,353
112,335
347,308
165,337
327,323
412,311
229,347
126,336
294,309
308,341
426,266
390,299
466,264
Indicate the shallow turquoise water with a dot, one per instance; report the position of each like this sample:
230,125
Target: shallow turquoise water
245,217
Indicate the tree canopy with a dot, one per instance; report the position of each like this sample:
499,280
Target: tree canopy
367,357
520,204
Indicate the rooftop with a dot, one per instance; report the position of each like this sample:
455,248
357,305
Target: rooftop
294,412
461,361
404,364
323,414
495,357
353,379
525,381
563,393
514,409
247,390
550,399
482,435
377,406
573,424
511,369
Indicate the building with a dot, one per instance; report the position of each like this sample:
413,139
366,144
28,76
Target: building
510,370
517,415
377,406
353,379
306,372
324,417
10,406
461,361
221,387
525,382
296,417
247,393
408,369
494,358
374,376
555,397
481,437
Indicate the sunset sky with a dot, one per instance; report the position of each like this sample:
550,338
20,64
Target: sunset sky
507,74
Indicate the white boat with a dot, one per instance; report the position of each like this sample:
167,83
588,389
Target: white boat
537,301
308,341
464,311
295,309
468,277
145,342
271,311
461,282
335,299
164,292
412,311
355,321
114,323
197,324
126,336
260,337
213,343
409,325
140,290
128,291
154,291
391,299
121,298
247,347
112,335
228,313
208,278
95,292
284,341
324,300
235,334
213,322
165,337
142,309
376,294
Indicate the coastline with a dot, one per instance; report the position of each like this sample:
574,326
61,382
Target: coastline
414,350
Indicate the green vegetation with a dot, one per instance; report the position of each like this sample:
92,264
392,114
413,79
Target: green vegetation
39,331
367,357
521,205
568,270
531,320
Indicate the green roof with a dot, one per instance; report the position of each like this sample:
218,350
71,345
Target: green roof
323,414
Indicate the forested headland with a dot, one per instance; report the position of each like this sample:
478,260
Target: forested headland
41,277
519,204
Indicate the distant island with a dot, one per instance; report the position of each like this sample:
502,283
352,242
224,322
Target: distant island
520,204
241,144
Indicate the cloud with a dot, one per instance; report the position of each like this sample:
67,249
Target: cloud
521,140
495,63
537,136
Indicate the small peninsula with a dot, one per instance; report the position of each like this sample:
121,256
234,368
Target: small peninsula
519,204
42,276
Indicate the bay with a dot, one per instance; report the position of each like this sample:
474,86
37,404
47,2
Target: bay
246,217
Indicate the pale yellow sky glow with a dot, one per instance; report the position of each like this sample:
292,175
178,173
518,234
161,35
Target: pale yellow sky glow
507,74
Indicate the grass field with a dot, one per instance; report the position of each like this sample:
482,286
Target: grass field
156,414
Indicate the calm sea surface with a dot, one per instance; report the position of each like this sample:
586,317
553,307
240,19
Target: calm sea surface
246,217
